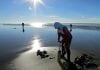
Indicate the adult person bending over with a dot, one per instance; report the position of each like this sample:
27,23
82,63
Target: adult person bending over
64,37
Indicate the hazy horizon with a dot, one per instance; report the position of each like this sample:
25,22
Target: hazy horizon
47,23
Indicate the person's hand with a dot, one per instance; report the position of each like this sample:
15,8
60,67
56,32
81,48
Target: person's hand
60,41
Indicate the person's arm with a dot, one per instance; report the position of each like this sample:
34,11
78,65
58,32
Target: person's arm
59,37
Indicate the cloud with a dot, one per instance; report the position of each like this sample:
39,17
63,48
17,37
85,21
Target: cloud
54,16
61,19
57,17
90,18
83,17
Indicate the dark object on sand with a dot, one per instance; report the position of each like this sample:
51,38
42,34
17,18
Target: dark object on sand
91,65
14,28
52,57
85,61
65,64
70,66
81,61
73,66
42,54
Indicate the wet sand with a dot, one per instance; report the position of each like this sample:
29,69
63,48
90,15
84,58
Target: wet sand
29,60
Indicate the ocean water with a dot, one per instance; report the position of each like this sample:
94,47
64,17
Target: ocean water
14,39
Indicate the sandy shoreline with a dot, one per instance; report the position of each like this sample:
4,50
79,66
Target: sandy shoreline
28,60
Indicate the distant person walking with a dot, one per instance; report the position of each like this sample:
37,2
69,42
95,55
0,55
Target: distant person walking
70,27
23,24
64,37
23,27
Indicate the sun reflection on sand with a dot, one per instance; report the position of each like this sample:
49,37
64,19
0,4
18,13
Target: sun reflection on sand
36,45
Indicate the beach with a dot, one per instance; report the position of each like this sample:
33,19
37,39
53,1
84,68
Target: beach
18,49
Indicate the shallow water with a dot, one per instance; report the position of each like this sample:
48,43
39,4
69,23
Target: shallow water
13,39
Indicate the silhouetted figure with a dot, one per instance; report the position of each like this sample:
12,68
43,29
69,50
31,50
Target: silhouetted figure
70,27
23,27
23,24
66,36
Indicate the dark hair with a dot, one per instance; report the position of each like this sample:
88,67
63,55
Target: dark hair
65,28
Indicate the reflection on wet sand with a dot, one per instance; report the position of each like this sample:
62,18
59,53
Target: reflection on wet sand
35,45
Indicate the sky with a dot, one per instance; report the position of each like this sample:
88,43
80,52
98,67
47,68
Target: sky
49,11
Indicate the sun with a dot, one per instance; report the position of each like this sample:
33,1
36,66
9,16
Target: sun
37,2
33,4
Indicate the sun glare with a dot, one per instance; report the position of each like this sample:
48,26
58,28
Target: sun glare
37,25
37,2
34,3
36,45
